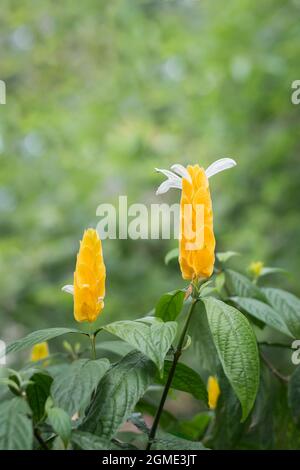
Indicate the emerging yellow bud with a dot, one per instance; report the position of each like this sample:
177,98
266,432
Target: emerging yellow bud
256,268
39,352
89,278
196,263
213,392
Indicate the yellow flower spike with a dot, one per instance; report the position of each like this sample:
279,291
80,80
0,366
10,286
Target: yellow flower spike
39,352
214,392
196,263
89,278
256,268
197,242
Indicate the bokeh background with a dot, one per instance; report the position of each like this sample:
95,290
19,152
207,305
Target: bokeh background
101,92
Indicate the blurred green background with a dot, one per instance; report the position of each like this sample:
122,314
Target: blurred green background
101,92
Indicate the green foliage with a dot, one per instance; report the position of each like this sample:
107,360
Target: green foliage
153,340
37,394
87,441
294,393
15,425
149,82
38,337
287,305
170,305
186,380
72,389
237,349
240,286
172,254
263,312
258,403
167,441
117,394
60,422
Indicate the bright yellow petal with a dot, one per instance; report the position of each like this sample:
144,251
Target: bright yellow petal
89,278
214,391
39,352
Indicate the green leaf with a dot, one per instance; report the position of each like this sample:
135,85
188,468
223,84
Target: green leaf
166,441
203,346
172,254
37,393
72,389
288,307
220,282
240,286
194,428
237,349
15,425
226,256
153,340
117,347
61,423
294,394
39,337
268,270
117,394
186,380
170,305
87,441
263,312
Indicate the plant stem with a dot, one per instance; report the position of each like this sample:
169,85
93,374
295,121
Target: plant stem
93,343
277,374
177,355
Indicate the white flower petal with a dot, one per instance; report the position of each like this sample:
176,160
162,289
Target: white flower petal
219,165
182,171
69,289
169,174
166,185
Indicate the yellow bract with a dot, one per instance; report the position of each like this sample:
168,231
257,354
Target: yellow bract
214,391
39,352
256,268
89,278
196,263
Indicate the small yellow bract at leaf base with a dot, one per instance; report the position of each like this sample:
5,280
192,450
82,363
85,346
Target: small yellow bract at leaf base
214,392
196,263
256,268
39,352
89,278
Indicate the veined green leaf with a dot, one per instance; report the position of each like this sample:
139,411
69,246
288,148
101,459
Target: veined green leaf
203,346
60,422
288,307
117,394
240,286
72,389
186,380
263,312
87,441
166,441
170,305
15,425
38,337
153,340
237,349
